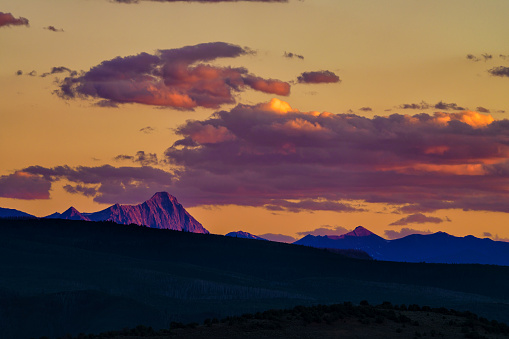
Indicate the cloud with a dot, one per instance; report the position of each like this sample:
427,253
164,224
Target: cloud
318,77
391,234
417,218
176,78
278,237
485,57
274,156
291,55
482,110
422,105
19,72
106,103
24,185
310,205
147,130
439,105
499,71
144,159
473,58
53,29
107,184
81,189
7,19
487,234
366,109
58,70
326,230
448,106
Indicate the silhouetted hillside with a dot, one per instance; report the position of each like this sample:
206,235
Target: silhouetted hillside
63,276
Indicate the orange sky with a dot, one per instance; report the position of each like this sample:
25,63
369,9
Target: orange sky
337,157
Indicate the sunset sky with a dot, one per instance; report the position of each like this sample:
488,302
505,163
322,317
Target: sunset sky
271,117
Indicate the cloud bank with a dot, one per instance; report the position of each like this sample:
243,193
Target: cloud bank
274,156
177,78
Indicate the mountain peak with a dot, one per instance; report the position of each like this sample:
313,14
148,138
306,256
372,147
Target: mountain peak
360,231
163,197
162,211
71,210
242,234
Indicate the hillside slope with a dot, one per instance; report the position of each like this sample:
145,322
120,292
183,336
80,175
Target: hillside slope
64,276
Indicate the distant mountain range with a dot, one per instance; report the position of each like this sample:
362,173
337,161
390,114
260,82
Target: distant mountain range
246,235
12,213
431,248
162,211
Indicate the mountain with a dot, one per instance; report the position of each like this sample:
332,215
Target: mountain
70,214
246,235
439,247
358,239
12,213
162,211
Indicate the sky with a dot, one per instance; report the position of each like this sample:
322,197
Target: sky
278,118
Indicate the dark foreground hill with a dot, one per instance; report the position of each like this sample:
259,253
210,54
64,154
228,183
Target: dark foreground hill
345,321
63,276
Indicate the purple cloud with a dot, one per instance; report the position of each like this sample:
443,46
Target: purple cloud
24,185
275,156
499,71
176,78
443,106
81,189
7,19
291,55
391,234
107,184
417,218
318,77
144,159
60,69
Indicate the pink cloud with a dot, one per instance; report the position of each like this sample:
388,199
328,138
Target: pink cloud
7,19
171,78
24,185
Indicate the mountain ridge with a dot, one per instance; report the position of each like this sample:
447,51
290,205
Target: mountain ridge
162,211
439,247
